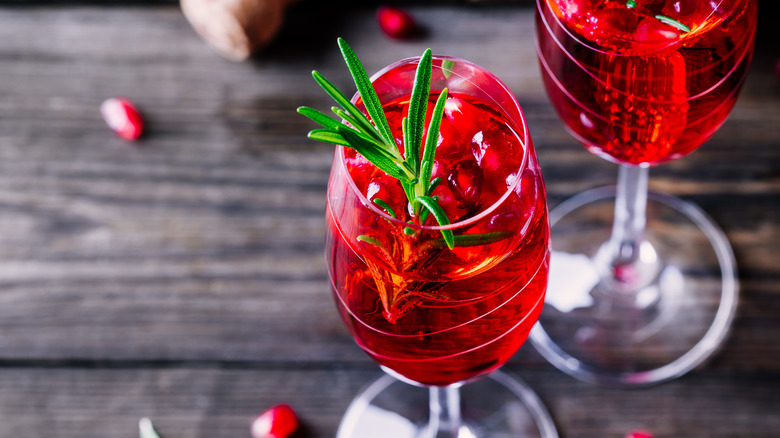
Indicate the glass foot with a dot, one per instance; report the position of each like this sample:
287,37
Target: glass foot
495,406
661,319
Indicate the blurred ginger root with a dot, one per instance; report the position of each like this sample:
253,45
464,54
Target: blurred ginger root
235,28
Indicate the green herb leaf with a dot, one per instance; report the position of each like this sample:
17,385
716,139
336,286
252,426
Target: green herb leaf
385,207
370,135
367,92
333,125
424,214
370,240
374,153
360,119
672,22
406,133
440,216
418,106
630,4
426,167
408,189
318,117
336,137
473,239
432,186
328,136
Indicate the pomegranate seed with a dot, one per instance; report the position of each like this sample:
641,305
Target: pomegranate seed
777,68
279,421
122,117
639,434
396,23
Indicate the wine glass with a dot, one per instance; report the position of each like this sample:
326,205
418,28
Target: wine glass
440,321
643,285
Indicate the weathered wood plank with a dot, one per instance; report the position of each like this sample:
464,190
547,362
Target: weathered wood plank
204,242
183,278
205,402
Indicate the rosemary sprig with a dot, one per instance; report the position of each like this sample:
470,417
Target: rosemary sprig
373,139
472,239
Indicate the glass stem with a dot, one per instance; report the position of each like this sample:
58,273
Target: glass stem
445,420
630,215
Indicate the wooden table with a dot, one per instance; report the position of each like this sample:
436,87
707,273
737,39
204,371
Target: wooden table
182,277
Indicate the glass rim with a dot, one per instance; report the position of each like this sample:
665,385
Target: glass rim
486,211
592,46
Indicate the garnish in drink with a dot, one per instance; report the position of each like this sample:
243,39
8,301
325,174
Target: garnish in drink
376,143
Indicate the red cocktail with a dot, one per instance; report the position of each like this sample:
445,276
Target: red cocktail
441,297
649,83
651,294
436,315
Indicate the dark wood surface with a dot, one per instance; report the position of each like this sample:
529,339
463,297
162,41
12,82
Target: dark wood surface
182,277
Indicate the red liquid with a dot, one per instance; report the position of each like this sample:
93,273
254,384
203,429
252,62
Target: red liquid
433,315
634,89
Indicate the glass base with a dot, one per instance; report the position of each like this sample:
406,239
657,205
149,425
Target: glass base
496,406
667,316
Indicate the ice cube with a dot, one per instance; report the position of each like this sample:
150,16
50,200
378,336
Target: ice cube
465,180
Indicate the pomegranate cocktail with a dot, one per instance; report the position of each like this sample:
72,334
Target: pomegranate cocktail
644,81
438,238
639,83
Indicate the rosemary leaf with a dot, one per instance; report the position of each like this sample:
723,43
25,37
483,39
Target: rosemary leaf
440,216
374,153
473,239
426,167
328,136
406,133
385,207
366,90
408,189
418,106
347,137
319,117
360,120
424,214
371,240
333,125
672,22
370,134
432,186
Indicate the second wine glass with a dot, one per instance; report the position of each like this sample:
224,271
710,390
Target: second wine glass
648,283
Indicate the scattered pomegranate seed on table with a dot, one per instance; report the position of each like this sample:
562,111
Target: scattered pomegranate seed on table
122,117
639,434
777,68
396,23
279,421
